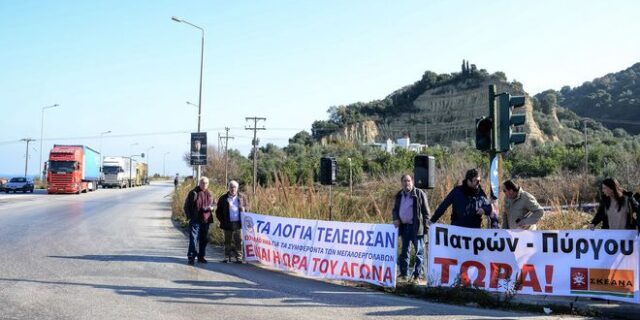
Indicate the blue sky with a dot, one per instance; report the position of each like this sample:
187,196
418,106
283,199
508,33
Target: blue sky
126,67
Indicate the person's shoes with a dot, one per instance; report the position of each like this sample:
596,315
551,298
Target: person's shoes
413,280
226,260
238,260
202,260
191,262
402,278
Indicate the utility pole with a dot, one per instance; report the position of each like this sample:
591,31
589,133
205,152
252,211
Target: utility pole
226,138
586,149
424,120
26,159
254,142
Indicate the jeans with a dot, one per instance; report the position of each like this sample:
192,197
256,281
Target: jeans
408,236
197,231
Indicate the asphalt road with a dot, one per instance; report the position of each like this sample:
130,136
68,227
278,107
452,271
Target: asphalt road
115,254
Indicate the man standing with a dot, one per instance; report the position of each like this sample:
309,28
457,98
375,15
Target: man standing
521,209
176,180
197,208
230,205
410,215
469,203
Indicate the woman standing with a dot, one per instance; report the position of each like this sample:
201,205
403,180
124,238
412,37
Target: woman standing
616,208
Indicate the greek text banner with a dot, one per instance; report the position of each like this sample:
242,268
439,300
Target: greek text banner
323,249
601,263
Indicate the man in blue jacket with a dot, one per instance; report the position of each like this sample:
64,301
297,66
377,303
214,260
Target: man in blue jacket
410,216
469,202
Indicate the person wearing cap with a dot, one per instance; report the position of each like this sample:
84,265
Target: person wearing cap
469,204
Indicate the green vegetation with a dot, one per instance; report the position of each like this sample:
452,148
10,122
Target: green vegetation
613,99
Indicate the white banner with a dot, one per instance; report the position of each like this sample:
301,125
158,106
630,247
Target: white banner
323,249
600,263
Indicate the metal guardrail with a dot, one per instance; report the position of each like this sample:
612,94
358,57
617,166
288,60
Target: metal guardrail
585,207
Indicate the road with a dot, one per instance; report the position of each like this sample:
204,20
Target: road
115,254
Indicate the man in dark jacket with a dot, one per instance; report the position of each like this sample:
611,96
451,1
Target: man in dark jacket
410,215
469,202
197,208
230,205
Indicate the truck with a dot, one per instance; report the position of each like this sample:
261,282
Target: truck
115,171
142,174
72,169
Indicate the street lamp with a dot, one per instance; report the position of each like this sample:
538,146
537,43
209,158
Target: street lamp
41,137
102,134
192,104
164,161
131,145
201,67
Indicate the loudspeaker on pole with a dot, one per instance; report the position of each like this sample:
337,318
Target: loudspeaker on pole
424,171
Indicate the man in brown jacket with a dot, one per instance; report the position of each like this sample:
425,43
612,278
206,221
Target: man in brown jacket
230,205
197,207
521,209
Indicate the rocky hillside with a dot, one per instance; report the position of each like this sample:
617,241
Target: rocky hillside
438,109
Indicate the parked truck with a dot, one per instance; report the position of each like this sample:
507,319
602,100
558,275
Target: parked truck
142,174
72,169
132,174
115,171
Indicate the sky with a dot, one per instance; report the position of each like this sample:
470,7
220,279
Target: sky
127,68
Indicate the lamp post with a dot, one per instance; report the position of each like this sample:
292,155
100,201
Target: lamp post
148,165
201,67
41,137
101,157
164,161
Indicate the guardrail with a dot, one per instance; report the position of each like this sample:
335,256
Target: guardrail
585,207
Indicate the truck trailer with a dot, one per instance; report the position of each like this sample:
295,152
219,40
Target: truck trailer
115,171
72,169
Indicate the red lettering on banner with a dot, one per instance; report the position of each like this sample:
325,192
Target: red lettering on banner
445,262
276,257
499,271
248,249
315,263
548,272
377,272
264,254
387,275
528,278
464,273
304,264
333,264
344,271
365,272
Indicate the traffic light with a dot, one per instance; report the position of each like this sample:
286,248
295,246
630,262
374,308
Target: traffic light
507,120
484,126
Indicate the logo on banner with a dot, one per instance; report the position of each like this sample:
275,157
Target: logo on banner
602,281
247,224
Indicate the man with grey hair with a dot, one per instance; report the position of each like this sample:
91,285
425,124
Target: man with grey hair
198,207
230,205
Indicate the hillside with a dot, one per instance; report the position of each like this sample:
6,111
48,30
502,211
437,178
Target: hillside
437,109
613,99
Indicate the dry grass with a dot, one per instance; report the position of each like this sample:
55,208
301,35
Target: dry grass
372,201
